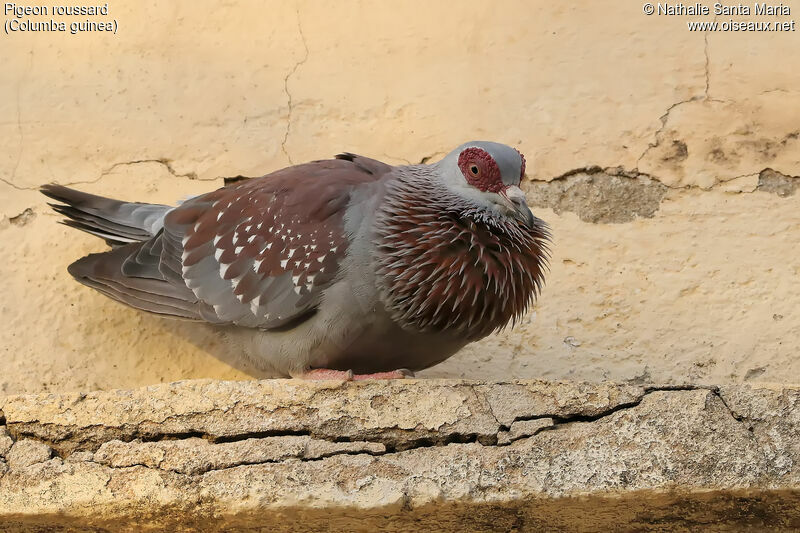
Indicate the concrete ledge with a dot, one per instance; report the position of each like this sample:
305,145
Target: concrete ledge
284,455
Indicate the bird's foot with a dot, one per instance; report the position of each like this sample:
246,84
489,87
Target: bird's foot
400,373
317,374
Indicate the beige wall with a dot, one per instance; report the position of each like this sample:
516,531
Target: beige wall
689,272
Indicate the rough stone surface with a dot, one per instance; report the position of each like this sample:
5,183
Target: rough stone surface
26,452
446,455
5,442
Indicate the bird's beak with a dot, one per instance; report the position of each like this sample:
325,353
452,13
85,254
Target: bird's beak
519,206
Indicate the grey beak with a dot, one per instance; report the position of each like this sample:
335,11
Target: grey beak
521,210
525,214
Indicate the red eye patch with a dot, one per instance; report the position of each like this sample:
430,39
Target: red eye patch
480,170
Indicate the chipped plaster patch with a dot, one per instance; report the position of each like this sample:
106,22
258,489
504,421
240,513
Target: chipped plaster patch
776,183
23,218
599,196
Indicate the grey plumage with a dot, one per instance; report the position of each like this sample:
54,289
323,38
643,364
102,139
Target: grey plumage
116,222
345,264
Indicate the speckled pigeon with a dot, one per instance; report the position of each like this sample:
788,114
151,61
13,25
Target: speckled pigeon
333,267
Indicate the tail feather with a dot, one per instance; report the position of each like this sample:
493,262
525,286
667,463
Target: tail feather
114,221
105,272
131,272
99,226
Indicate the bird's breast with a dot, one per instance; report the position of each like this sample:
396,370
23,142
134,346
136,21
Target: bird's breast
440,271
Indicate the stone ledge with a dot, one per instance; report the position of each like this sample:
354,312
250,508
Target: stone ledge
285,455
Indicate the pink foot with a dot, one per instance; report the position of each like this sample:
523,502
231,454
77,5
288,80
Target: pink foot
317,374
394,374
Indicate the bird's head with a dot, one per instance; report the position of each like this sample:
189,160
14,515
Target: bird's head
488,175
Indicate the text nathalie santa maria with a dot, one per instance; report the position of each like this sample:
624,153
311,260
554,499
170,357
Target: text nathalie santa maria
718,8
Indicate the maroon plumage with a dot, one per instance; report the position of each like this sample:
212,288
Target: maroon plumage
442,271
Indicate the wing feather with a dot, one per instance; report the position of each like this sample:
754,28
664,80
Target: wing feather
262,251
257,253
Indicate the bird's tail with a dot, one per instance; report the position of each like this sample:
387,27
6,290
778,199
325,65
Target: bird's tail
114,221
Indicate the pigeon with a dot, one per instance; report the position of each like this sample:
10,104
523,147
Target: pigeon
346,268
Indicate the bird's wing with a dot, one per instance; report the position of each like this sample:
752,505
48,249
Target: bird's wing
256,254
261,252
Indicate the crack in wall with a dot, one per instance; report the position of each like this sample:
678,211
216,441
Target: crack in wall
708,62
21,133
736,416
777,90
562,421
664,119
403,159
21,144
760,425
66,440
204,471
706,96
716,392
20,130
198,456
423,160
289,101
167,163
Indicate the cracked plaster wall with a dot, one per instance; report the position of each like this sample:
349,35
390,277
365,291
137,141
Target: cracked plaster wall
665,161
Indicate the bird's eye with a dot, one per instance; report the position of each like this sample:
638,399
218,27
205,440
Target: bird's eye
474,170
